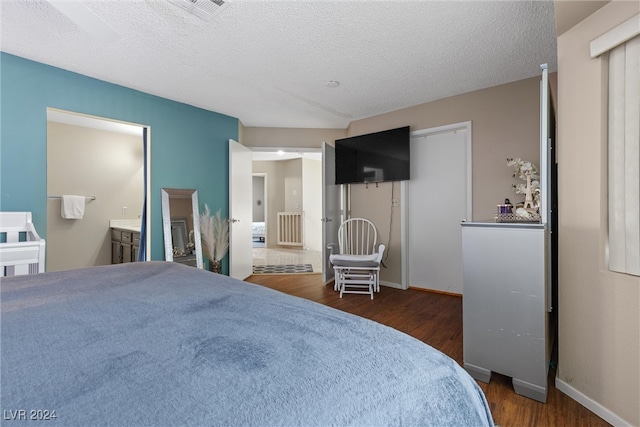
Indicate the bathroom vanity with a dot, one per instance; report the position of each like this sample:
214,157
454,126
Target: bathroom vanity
125,242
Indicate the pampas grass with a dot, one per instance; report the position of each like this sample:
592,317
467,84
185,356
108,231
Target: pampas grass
215,234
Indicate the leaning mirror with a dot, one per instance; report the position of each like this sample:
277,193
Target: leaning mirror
181,226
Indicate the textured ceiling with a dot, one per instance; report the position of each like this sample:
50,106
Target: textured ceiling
268,63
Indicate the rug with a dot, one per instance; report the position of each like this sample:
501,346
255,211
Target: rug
282,269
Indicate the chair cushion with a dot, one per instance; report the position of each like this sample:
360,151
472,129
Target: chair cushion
355,260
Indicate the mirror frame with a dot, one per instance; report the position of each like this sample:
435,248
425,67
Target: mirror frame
167,193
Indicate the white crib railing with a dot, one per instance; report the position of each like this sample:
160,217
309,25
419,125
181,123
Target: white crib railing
290,228
21,248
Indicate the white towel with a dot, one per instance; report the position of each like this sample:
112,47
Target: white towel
72,207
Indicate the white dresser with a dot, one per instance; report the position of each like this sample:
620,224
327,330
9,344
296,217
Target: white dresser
507,303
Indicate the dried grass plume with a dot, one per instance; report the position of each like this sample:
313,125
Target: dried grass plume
215,234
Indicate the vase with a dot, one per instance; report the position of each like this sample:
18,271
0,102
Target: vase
215,266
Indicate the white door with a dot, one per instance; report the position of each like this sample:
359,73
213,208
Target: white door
439,199
240,193
331,207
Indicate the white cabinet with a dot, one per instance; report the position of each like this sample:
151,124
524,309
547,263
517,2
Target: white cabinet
505,304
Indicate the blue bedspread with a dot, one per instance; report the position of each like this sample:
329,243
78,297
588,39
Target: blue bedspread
164,344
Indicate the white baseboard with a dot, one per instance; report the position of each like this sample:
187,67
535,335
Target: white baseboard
590,404
391,284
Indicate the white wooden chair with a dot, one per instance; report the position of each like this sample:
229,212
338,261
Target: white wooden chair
356,258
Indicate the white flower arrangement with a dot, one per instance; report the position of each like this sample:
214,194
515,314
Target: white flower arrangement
522,168
215,234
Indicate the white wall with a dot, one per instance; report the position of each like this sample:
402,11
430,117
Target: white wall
94,162
274,196
293,186
312,203
258,198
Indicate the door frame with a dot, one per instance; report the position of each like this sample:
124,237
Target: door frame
75,118
404,191
331,218
296,150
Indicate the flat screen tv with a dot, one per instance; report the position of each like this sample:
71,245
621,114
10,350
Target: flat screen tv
375,157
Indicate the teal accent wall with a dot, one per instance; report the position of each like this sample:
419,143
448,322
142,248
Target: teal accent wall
189,146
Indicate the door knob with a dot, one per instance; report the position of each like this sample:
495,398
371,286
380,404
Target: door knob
234,220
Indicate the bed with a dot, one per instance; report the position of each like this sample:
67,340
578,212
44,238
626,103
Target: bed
258,231
160,343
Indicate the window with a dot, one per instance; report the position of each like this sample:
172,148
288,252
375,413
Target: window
623,45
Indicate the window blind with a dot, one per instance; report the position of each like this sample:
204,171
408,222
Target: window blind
624,157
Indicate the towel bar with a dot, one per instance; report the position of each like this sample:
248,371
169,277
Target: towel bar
59,197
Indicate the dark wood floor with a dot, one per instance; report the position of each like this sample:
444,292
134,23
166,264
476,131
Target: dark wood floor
436,319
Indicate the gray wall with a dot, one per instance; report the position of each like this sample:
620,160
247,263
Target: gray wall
258,199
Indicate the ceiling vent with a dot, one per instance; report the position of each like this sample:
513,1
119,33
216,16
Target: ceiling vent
204,9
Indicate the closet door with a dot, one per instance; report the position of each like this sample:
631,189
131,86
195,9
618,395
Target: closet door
439,199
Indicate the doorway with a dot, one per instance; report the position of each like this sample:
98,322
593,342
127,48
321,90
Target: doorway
287,180
103,160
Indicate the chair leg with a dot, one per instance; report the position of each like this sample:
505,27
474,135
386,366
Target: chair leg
339,280
364,279
372,282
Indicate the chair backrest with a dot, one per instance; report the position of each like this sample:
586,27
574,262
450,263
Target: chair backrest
357,236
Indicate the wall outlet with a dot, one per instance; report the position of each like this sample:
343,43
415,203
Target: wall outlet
395,203
125,209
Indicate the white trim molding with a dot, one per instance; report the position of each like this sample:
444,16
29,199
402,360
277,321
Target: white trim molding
615,36
604,413
404,240
392,285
